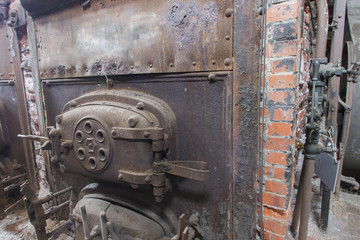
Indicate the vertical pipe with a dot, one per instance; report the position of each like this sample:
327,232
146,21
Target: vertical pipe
297,210
322,28
309,165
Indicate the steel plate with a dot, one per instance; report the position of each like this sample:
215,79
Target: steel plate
9,119
203,111
123,37
6,69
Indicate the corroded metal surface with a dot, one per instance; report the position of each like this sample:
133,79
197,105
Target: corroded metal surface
202,109
10,121
6,68
245,131
352,151
128,37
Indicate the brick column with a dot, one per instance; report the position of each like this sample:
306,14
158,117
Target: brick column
286,91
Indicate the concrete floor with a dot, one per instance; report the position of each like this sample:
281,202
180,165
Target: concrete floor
344,218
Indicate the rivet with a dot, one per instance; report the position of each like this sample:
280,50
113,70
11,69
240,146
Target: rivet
38,45
213,62
133,121
120,176
212,77
9,49
100,69
333,109
228,12
11,61
140,105
86,70
171,64
75,71
146,134
227,62
41,74
194,63
227,37
150,65
132,66
148,179
73,103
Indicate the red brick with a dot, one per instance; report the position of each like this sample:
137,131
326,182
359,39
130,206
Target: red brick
282,12
274,200
271,236
279,129
282,31
280,215
275,227
279,144
281,97
274,172
281,114
283,65
282,81
276,158
276,187
282,49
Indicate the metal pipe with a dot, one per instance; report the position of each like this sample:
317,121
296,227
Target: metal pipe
322,28
309,165
50,197
346,121
297,209
10,179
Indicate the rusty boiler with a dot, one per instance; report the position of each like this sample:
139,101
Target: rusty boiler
151,115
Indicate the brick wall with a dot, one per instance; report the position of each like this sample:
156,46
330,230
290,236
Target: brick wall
287,73
44,189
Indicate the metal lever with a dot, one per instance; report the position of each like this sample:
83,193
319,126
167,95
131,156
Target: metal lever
45,141
41,139
194,170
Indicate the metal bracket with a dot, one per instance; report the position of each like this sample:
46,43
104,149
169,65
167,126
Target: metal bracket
38,216
137,133
195,170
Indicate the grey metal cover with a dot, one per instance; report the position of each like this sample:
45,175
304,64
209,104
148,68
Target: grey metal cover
6,69
123,37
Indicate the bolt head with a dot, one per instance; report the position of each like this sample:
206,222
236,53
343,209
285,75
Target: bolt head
212,77
146,134
133,121
229,12
227,62
140,105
